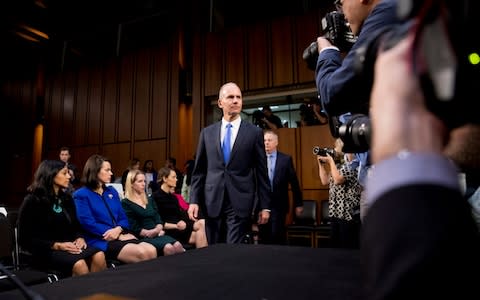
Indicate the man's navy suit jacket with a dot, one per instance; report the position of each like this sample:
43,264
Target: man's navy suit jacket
284,174
244,178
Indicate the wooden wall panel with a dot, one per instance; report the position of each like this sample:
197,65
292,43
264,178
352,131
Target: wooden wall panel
160,88
234,57
142,110
311,136
156,150
95,106
66,129
186,129
258,66
81,154
213,61
307,30
81,124
282,52
119,155
125,122
287,142
110,107
53,113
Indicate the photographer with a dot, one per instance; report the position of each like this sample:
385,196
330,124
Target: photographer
340,173
341,89
270,120
418,239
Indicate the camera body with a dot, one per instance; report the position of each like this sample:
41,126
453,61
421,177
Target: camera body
337,31
258,115
324,151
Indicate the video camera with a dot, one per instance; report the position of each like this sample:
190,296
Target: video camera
337,31
324,151
445,57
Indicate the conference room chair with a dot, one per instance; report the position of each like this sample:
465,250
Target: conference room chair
302,230
11,277
324,228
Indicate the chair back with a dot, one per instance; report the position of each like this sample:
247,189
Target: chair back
309,214
324,212
6,238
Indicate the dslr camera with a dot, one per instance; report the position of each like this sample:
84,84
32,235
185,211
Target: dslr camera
257,116
337,31
442,57
324,151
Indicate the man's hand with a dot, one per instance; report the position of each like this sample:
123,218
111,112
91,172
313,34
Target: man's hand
263,216
400,120
193,211
323,42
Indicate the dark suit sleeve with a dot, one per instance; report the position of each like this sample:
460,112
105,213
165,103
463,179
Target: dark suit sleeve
199,172
294,184
420,242
33,225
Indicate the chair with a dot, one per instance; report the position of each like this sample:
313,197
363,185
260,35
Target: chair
323,230
9,274
23,259
304,226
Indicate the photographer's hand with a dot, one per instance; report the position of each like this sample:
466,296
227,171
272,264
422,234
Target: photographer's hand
323,43
400,120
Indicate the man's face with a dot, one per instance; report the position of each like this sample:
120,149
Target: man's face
271,142
230,101
64,155
356,11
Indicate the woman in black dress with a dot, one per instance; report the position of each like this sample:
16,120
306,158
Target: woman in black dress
177,223
48,226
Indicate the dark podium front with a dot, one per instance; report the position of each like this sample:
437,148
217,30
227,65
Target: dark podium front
221,272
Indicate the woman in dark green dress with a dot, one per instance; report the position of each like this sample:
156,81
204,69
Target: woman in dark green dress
145,222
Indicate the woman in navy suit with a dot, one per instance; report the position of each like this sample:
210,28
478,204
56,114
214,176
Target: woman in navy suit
100,212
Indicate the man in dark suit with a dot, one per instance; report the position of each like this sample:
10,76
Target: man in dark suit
230,173
281,173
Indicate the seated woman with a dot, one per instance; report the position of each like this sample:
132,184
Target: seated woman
145,222
100,212
49,228
177,223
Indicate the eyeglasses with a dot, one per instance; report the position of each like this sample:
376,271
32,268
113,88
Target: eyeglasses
338,5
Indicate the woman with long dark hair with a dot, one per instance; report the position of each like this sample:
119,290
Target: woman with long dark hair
49,228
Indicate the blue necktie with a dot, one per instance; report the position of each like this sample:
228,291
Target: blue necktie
270,169
226,143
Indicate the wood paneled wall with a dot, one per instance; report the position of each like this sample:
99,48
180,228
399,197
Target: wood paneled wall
122,108
129,106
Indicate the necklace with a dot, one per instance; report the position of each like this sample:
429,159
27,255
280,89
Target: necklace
58,207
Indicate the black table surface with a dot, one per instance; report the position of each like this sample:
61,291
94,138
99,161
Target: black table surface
221,271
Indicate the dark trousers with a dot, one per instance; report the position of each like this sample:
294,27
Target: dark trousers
274,231
345,234
228,227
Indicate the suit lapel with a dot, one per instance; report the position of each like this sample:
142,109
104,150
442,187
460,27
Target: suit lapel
238,140
218,140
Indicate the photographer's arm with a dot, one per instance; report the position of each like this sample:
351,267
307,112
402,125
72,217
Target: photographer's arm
322,172
269,124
